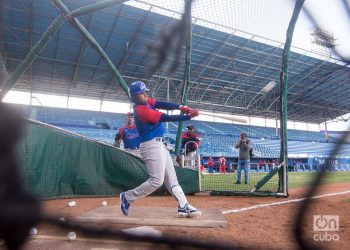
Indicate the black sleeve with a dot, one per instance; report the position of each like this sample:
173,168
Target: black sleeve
117,137
183,142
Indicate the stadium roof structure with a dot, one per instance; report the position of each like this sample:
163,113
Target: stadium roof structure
228,69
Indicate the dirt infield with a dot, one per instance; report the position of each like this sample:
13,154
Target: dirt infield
264,227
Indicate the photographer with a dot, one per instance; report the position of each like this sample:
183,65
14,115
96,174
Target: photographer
244,158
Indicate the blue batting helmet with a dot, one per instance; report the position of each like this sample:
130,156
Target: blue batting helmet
137,88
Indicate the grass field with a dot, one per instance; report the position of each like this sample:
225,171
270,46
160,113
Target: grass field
226,182
304,179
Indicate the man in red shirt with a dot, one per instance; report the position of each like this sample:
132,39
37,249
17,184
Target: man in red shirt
189,144
190,140
222,161
210,165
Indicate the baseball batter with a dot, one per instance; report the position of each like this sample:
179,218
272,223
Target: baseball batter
149,123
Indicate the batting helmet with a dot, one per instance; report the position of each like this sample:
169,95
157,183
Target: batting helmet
137,88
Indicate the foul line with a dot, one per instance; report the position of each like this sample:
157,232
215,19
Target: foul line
280,203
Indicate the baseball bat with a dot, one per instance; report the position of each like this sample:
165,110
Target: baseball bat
235,119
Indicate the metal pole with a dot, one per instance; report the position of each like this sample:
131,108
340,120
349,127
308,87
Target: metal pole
283,185
97,6
54,26
32,55
276,117
4,76
167,98
86,34
186,81
326,130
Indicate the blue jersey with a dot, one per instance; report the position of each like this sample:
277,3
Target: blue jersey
149,121
130,137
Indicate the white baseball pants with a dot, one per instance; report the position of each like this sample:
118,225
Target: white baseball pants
160,169
134,151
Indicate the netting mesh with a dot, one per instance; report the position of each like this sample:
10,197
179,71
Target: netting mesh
135,69
236,50
246,16
227,183
229,46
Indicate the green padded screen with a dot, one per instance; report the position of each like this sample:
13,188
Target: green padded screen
57,163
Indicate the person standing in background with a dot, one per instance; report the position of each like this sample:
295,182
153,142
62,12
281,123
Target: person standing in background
189,145
222,162
190,140
129,135
243,145
210,165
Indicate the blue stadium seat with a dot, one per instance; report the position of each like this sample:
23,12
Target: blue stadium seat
217,138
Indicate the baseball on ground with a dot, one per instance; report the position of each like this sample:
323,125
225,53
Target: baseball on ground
33,231
72,204
71,236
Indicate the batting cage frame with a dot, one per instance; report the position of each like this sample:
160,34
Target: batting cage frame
20,197
185,36
282,189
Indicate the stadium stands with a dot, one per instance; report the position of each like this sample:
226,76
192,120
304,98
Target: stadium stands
217,138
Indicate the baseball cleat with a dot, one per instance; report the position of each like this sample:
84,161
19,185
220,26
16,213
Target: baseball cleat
188,211
124,204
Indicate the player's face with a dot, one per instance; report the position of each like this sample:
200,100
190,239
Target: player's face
191,131
130,119
142,97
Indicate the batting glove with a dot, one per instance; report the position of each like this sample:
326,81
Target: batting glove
193,113
185,109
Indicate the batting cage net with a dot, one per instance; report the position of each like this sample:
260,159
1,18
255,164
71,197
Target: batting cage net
229,55
218,56
234,49
260,180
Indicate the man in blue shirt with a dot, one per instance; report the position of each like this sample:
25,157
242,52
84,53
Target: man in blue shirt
129,135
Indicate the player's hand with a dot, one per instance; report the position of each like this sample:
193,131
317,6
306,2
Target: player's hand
185,109
193,113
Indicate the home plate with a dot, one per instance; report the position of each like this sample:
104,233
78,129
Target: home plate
153,216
